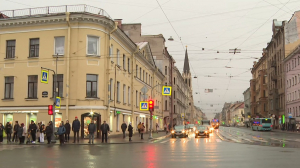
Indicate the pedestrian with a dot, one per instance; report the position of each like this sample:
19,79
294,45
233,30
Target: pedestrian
8,129
297,127
104,129
32,129
157,127
16,128
75,129
68,129
61,131
42,133
139,128
92,129
49,132
124,127
22,133
169,128
142,130
1,133
38,131
130,130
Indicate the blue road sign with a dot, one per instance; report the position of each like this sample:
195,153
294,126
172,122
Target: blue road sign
167,90
144,106
57,102
45,76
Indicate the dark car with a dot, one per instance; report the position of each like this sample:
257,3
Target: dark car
202,131
181,131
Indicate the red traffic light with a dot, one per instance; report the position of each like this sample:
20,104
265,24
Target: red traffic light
50,109
151,105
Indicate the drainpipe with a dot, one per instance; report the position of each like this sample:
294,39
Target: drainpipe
108,63
68,64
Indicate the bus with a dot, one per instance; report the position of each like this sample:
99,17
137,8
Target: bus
215,123
262,124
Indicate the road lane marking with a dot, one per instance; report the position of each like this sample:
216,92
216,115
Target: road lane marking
164,141
235,140
248,140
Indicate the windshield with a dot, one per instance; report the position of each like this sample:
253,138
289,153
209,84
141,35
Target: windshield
180,127
191,125
267,120
201,128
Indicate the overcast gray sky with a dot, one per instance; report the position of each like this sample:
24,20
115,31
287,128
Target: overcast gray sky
215,25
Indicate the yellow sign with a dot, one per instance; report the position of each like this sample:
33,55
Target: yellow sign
167,90
45,76
144,106
57,102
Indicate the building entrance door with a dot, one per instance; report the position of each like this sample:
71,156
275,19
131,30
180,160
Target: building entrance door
88,118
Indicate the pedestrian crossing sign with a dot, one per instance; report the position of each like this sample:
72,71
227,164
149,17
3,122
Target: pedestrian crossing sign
45,76
57,102
144,106
167,90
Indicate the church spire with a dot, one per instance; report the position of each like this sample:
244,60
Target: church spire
186,67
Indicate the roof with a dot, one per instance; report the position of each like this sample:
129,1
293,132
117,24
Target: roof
141,44
186,66
277,23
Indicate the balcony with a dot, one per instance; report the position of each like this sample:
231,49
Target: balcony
273,64
274,78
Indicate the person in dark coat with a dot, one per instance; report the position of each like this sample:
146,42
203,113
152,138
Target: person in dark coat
60,132
22,133
92,129
130,130
75,129
32,129
104,129
16,128
1,133
124,127
49,132
142,130
68,130
8,130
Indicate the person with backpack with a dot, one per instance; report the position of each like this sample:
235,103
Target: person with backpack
16,128
22,133
60,132
8,129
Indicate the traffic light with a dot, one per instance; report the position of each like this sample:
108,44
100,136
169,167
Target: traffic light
151,105
50,109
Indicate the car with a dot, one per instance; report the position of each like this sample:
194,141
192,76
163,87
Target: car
180,130
191,127
202,131
209,127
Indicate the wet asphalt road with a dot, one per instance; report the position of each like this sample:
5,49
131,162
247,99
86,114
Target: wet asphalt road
179,152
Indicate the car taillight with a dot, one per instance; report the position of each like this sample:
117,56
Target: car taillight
271,125
260,125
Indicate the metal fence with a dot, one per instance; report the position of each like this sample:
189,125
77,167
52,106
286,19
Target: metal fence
41,11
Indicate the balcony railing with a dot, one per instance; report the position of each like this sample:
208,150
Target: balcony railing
49,10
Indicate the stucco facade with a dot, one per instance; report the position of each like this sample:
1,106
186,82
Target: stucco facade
101,70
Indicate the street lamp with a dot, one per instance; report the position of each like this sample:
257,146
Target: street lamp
171,38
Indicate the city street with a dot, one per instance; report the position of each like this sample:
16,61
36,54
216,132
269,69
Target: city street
232,151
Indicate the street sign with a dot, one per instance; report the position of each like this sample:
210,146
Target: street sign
144,89
57,102
44,94
45,76
144,106
182,115
167,90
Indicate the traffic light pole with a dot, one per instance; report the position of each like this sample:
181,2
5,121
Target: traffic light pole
53,140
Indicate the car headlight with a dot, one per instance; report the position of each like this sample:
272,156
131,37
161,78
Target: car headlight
197,132
173,132
205,131
194,128
183,131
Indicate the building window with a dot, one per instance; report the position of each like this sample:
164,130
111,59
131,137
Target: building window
146,77
93,45
140,96
124,62
166,70
59,46
118,57
129,94
34,47
140,73
91,86
174,95
174,81
124,94
10,48
111,89
136,99
118,91
32,86
128,63
143,75
59,85
9,87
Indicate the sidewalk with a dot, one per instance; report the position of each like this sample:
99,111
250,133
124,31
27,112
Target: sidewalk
273,130
113,139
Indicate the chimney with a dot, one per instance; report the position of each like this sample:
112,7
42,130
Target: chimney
119,23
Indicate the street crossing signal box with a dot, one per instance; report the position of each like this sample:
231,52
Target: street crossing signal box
50,109
151,105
